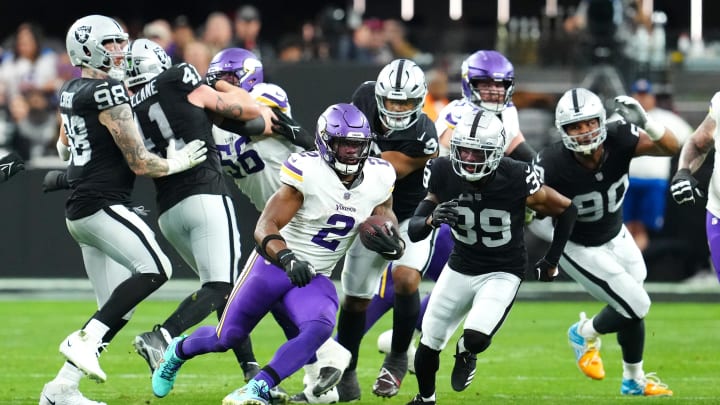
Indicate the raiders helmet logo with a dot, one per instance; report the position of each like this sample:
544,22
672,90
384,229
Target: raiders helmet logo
161,55
83,33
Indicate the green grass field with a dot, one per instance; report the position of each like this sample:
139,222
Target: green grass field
529,361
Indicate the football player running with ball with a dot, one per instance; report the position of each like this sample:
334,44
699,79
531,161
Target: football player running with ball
482,196
306,227
590,165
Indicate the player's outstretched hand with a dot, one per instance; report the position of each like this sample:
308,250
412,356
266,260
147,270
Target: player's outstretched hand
445,213
10,165
684,187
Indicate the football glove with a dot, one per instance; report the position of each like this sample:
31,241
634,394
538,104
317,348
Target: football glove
10,165
631,110
55,180
191,155
289,128
684,187
390,246
445,213
298,271
545,271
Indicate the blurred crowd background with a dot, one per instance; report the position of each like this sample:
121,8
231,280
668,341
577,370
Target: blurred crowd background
604,45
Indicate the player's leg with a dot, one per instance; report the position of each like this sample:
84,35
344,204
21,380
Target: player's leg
712,230
494,297
381,302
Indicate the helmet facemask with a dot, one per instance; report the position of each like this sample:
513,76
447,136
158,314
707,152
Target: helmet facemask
580,105
484,75
146,59
98,42
399,120
477,145
401,83
343,138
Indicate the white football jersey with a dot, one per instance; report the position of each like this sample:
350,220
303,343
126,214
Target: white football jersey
451,114
326,224
713,204
254,162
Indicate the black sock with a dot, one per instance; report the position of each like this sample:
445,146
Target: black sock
244,353
610,321
632,342
128,295
197,306
427,363
406,310
351,326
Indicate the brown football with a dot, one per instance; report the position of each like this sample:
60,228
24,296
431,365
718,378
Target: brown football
366,230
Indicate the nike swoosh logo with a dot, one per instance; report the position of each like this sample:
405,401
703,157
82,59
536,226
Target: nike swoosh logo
420,138
69,344
49,401
103,84
392,252
538,158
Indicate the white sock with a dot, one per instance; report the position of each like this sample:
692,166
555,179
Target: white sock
96,330
69,375
633,371
587,330
431,398
461,346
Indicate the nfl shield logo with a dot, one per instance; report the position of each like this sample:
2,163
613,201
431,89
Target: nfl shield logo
83,33
347,195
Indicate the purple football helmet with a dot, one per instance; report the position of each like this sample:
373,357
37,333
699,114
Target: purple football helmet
237,66
495,75
343,138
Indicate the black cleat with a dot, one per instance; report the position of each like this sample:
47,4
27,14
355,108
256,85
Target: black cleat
328,378
464,370
151,346
418,401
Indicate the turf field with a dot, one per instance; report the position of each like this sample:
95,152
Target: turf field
529,361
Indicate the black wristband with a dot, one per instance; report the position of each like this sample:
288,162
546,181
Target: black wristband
284,256
267,240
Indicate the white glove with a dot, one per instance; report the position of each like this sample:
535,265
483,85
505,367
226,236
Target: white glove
189,156
631,110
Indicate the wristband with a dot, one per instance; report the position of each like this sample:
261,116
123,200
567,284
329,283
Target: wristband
267,239
655,130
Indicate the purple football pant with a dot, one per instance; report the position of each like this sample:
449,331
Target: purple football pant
382,302
712,229
262,286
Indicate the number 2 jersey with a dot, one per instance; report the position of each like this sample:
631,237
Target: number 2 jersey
163,112
326,224
597,194
97,171
489,234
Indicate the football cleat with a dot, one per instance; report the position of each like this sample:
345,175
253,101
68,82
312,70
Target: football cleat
250,370
278,396
81,351
384,343
327,379
163,377
255,392
587,351
151,346
307,397
463,371
650,386
54,393
419,401
391,375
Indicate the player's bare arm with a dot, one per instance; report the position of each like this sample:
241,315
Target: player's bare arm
667,145
405,164
119,121
280,209
548,202
238,104
385,209
697,147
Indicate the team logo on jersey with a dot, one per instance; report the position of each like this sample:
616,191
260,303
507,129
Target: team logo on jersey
347,195
599,176
82,34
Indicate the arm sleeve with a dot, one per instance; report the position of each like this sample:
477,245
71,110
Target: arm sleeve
563,229
523,152
417,228
255,126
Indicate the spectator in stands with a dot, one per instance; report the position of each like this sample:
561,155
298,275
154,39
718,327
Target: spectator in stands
217,35
160,32
182,34
247,33
369,45
36,125
437,95
29,65
290,49
644,206
396,37
314,45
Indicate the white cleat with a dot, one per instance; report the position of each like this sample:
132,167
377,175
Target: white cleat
84,353
54,393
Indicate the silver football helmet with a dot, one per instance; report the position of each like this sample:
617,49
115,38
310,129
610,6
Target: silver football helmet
477,144
402,80
146,59
86,40
577,105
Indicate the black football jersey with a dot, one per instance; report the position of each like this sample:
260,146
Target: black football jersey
163,112
489,235
419,140
97,171
597,194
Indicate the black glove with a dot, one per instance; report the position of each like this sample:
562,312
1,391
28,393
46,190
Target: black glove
210,80
300,272
55,180
684,187
445,213
291,129
545,271
10,165
390,246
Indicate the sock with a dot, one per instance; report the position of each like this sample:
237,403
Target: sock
633,371
632,342
461,345
69,375
268,375
197,306
127,295
350,328
587,330
405,315
96,330
427,363
244,353
431,398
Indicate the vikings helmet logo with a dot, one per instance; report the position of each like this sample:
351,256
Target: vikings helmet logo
83,33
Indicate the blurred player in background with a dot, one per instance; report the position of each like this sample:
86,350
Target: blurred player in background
590,166
105,151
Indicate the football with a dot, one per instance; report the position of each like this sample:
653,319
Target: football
366,230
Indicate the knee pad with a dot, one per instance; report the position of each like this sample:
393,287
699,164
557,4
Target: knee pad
476,342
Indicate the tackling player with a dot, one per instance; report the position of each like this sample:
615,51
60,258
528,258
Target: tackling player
590,166
482,196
